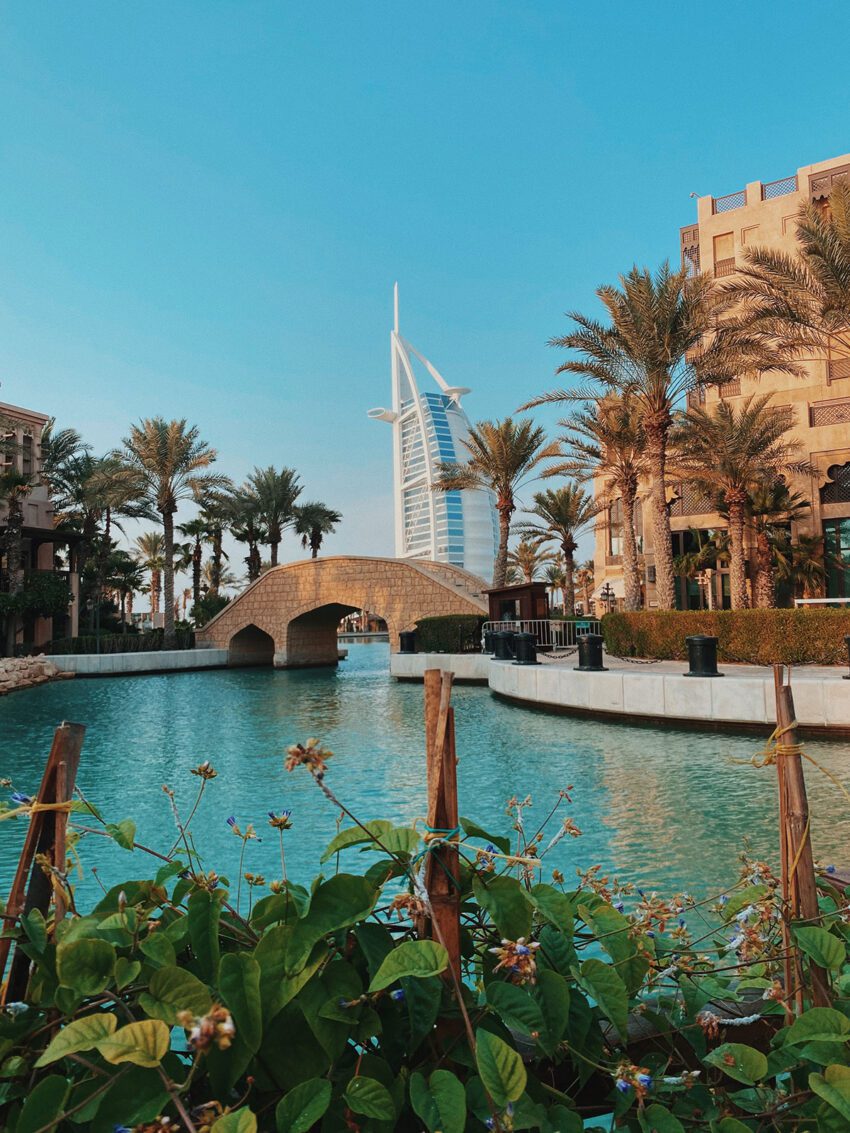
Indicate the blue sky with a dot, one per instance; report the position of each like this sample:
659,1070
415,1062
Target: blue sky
203,206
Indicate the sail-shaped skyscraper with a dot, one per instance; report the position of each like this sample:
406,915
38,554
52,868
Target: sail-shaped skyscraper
429,426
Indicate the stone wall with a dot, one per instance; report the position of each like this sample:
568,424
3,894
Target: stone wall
24,672
299,605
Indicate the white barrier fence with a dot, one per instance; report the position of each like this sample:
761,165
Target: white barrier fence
548,633
821,601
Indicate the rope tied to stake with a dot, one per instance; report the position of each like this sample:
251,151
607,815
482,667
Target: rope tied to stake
773,749
37,808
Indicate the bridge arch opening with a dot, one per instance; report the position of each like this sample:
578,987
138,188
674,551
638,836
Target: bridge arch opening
312,636
251,646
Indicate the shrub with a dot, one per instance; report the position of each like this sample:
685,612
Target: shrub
451,633
758,637
118,643
176,1003
207,608
43,595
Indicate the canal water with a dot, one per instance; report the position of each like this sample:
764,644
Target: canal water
665,809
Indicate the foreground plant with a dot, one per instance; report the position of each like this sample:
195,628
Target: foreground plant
164,1008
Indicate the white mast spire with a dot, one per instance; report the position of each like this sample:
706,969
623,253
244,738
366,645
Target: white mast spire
395,306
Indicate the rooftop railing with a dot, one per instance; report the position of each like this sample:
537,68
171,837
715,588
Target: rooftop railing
781,188
730,201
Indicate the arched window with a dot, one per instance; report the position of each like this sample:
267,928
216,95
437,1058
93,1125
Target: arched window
836,490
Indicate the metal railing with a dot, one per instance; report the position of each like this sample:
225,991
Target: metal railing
779,188
730,201
549,633
725,267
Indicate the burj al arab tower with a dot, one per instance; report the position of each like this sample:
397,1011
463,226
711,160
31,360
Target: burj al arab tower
429,426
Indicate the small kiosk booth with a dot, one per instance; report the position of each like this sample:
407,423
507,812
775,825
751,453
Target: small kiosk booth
529,601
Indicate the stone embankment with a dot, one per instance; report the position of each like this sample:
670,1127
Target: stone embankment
24,672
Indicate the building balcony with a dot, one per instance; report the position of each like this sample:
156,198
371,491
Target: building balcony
724,267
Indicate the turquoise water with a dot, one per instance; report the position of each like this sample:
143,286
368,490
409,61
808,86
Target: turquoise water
665,809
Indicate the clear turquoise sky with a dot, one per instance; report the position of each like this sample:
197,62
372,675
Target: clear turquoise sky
203,206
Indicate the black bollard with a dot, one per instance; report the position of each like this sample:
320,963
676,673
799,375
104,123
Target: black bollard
847,643
407,641
489,641
590,654
526,649
702,656
504,643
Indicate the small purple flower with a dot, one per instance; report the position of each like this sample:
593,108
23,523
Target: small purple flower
509,1109
724,900
523,950
121,1129
21,799
397,995
491,849
645,1080
830,869
682,922
231,822
623,1086
490,1123
619,906
650,934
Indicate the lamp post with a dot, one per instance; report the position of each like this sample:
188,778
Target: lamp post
607,596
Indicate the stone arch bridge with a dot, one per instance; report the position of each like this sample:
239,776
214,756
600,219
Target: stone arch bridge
289,616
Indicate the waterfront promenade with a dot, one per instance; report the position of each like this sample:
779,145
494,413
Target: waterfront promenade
657,692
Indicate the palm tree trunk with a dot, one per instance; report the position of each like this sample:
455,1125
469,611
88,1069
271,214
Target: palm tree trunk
196,572
215,572
765,576
123,611
631,569
665,581
273,546
14,555
168,574
315,543
500,567
156,584
569,583
737,568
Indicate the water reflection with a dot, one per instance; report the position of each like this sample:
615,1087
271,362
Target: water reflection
665,809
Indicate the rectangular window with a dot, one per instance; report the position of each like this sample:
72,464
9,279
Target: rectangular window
836,545
27,466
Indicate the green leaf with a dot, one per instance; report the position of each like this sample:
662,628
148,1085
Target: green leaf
418,958
144,1043
739,901
81,1034
123,833
834,1087
239,983
507,903
204,913
554,906
400,840
287,907
552,993
516,1008
340,901
302,1107
35,926
731,1125
613,931
422,999
126,971
285,967
157,948
441,1102
500,1067
369,1098
173,990
602,982
44,1105
661,1120
86,966
239,1121
375,942
355,836
818,1024
556,951
473,830
824,948
743,1063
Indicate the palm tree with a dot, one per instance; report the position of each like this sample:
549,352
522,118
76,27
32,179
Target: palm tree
312,522
59,449
799,305
502,455
562,515
152,551
584,579
528,558
170,459
730,451
555,580
14,488
659,345
606,446
197,530
216,511
801,564
226,579
771,505
243,515
275,494
125,575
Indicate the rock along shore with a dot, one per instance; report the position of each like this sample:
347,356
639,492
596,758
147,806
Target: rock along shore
25,672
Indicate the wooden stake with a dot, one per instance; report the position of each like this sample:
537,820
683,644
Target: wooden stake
799,888
441,869
32,888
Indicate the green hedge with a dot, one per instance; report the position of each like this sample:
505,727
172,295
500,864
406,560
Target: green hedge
759,637
154,641
452,633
